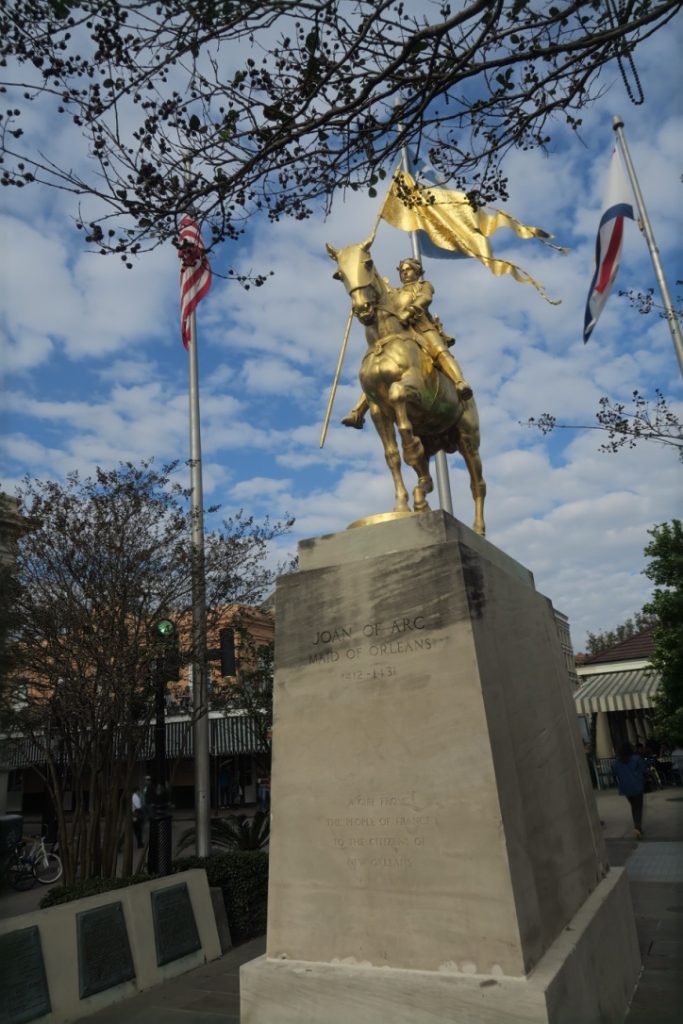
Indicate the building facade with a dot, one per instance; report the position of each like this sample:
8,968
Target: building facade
616,694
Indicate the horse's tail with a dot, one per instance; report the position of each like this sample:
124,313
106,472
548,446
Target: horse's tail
447,441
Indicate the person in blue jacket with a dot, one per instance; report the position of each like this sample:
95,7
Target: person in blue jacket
630,771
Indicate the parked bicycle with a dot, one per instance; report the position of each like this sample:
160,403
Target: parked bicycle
32,864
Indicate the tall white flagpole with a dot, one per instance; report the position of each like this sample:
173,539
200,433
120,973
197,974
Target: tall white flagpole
440,461
646,227
200,702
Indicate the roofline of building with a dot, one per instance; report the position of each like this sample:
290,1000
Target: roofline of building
612,666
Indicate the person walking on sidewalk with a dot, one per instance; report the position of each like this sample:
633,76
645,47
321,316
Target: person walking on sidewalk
630,771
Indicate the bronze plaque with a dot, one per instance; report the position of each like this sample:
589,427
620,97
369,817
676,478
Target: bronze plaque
24,994
104,957
175,929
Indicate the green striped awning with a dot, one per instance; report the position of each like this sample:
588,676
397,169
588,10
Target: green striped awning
236,734
630,690
20,751
232,734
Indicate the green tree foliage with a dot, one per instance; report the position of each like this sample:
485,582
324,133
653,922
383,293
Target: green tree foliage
101,561
596,643
665,569
280,103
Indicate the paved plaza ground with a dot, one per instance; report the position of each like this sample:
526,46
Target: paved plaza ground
210,994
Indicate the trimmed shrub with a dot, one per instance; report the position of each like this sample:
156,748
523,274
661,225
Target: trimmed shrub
89,887
242,875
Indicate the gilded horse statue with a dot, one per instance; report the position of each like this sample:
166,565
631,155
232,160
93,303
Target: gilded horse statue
405,390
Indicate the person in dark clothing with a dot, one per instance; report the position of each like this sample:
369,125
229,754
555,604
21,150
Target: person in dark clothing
225,785
148,797
137,812
48,823
630,772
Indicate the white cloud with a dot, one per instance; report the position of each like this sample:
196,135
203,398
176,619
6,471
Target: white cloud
128,371
98,374
274,376
25,352
90,307
259,487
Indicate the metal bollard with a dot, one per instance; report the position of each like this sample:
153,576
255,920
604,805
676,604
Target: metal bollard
160,853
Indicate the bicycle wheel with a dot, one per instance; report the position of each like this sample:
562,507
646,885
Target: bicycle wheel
48,868
20,876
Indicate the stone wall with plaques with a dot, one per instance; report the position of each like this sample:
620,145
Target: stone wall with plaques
24,994
70,961
434,832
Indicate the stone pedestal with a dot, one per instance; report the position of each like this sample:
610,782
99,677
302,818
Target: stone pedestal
435,852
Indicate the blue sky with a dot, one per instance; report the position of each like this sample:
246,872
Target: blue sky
95,372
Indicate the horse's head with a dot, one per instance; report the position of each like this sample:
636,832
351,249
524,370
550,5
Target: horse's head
355,267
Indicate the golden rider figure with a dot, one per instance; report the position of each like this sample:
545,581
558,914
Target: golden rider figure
414,298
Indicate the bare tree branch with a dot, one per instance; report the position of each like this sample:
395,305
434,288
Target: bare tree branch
283,104
101,561
647,421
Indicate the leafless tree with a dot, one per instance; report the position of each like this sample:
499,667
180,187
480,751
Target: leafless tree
251,692
646,420
101,560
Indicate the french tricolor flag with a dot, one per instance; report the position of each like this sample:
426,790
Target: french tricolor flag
618,204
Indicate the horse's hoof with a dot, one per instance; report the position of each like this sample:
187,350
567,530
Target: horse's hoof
422,506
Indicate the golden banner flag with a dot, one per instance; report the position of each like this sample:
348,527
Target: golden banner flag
454,226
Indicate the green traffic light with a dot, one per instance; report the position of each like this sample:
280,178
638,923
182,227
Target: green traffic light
165,629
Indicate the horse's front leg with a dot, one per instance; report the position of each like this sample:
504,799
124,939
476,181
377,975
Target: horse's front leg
385,428
413,451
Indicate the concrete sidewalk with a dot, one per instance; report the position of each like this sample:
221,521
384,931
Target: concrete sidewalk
207,995
210,994
655,871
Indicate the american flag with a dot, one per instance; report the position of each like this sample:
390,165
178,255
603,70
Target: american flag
195,273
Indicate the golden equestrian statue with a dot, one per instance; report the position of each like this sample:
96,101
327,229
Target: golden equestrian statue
409,379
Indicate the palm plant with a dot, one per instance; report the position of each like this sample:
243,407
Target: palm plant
236,832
